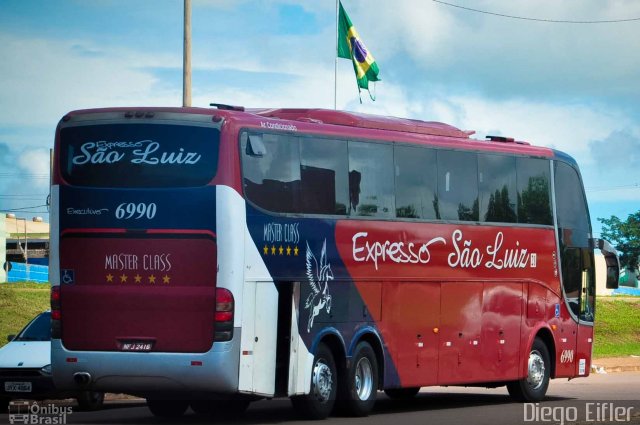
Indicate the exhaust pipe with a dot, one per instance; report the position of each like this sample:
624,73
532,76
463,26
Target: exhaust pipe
82,378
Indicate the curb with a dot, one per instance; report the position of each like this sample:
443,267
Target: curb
614,369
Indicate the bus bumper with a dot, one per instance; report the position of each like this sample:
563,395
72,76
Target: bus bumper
215,371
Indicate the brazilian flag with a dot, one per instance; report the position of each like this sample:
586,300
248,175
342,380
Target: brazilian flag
350,46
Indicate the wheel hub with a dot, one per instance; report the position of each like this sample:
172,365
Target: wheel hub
322,381
535,376
363,379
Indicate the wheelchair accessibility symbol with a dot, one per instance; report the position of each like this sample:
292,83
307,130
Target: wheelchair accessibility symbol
68,276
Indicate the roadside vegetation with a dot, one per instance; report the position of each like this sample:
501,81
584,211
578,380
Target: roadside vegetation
617,319
19,303
617,327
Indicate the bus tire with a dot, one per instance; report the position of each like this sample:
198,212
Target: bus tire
222,409
402,393
533,387
319,403
360,386
167,408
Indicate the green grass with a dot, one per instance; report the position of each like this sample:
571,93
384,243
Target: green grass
19,303
617,327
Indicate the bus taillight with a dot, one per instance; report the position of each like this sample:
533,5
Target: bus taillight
56,316
223,315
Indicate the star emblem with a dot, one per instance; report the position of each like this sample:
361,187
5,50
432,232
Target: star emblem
152,279
123,278
137,278
109,277
288,250
166,279
265,250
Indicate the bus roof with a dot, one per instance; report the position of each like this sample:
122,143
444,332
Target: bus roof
414,130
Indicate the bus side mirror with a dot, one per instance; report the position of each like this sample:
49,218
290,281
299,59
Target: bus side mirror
611,259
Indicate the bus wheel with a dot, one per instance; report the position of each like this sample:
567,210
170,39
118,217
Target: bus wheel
534,387
318,404
223,409
359,389
167,408
402,393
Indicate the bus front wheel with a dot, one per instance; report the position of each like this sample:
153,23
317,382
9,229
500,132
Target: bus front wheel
534,386
318,404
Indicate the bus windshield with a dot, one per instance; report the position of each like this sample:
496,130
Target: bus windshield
139,155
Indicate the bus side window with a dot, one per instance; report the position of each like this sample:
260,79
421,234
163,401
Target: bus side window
324,171
272,180
458,186
371,179
533,185
497,178
415,178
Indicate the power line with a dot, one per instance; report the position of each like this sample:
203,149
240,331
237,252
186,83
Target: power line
23,197
612,188
524,18
24,175
24,208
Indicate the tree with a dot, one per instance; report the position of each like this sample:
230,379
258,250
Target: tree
625,235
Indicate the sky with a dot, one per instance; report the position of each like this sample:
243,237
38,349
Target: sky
569,86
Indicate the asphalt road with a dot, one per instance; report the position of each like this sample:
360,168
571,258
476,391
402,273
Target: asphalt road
591,400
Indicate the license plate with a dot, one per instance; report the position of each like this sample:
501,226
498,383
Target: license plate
136,346
17,387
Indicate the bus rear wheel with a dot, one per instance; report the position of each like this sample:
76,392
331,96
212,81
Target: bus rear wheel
402,393
534,386
318,404
359,390
167,408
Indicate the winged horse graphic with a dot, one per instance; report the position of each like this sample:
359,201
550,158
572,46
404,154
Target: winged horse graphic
319,276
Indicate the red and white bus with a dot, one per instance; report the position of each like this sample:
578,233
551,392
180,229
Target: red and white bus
211,257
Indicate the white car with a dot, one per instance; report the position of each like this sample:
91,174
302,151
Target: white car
25,368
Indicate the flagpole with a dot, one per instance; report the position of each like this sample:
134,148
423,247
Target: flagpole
335,71
186,58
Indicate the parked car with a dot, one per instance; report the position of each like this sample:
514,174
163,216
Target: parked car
25,368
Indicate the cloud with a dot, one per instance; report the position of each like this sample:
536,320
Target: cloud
504,57
621,147
614,173
47,78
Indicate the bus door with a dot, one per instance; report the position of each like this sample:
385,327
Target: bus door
584,343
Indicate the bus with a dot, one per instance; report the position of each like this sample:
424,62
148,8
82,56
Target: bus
210,257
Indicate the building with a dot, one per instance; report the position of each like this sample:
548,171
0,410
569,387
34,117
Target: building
22,241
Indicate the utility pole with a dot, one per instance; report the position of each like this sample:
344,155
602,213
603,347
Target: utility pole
186,62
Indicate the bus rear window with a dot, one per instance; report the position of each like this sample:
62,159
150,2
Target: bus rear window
139,155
